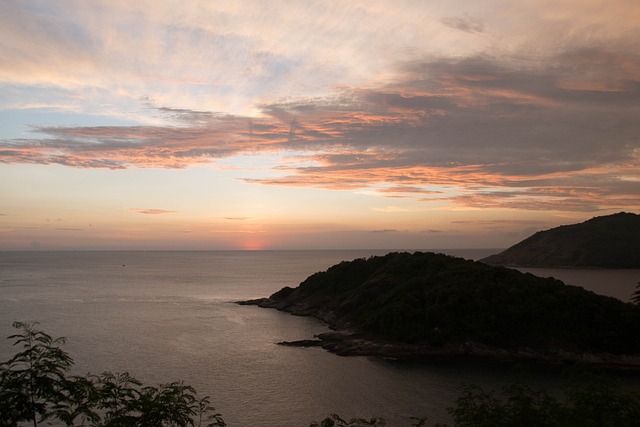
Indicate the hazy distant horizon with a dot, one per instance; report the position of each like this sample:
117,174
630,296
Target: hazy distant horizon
443,250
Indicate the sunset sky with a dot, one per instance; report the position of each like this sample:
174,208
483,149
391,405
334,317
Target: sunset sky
314,124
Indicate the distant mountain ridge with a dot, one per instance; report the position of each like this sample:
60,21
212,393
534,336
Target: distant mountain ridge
611,241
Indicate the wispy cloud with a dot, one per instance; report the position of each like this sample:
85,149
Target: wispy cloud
152,211
464,23
391,209
493,222
239,218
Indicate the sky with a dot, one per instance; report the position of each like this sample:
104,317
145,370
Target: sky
404,124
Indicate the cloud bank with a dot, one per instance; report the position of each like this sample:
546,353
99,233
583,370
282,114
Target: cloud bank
542,117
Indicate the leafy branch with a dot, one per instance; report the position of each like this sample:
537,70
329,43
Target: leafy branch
35,387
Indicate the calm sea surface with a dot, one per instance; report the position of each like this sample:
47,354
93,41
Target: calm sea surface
168,316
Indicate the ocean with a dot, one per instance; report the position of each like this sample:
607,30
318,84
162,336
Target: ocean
165,316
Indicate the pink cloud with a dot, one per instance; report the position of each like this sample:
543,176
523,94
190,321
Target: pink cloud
496,133
152,211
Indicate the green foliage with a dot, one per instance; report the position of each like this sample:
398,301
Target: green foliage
79,403
518,406
592,399
635,297
207,415
33,380
118,396
334,420
589,400
34,387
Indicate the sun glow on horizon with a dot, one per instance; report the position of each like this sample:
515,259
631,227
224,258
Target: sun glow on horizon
252,245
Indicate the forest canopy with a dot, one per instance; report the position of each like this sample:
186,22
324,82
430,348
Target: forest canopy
435,299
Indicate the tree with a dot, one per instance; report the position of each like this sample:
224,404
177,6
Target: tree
33,381
118,395
169,403
80,400
34,387
590,399
635,297
334,420
207,413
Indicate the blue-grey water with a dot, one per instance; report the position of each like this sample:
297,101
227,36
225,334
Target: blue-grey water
165,316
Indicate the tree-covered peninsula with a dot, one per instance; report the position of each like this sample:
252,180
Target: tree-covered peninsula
611,241
410,305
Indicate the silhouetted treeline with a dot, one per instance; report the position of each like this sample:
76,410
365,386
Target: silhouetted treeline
436,299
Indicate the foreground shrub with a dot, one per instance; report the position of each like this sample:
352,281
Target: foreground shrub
35,387
588,399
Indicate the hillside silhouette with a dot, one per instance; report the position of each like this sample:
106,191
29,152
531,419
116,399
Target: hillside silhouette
421,304
611,241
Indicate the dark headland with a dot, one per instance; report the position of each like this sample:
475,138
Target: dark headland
427,305
611,241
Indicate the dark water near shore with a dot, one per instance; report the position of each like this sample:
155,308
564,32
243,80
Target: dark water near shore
167,316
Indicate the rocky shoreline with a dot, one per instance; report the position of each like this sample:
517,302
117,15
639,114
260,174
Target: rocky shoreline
344,341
